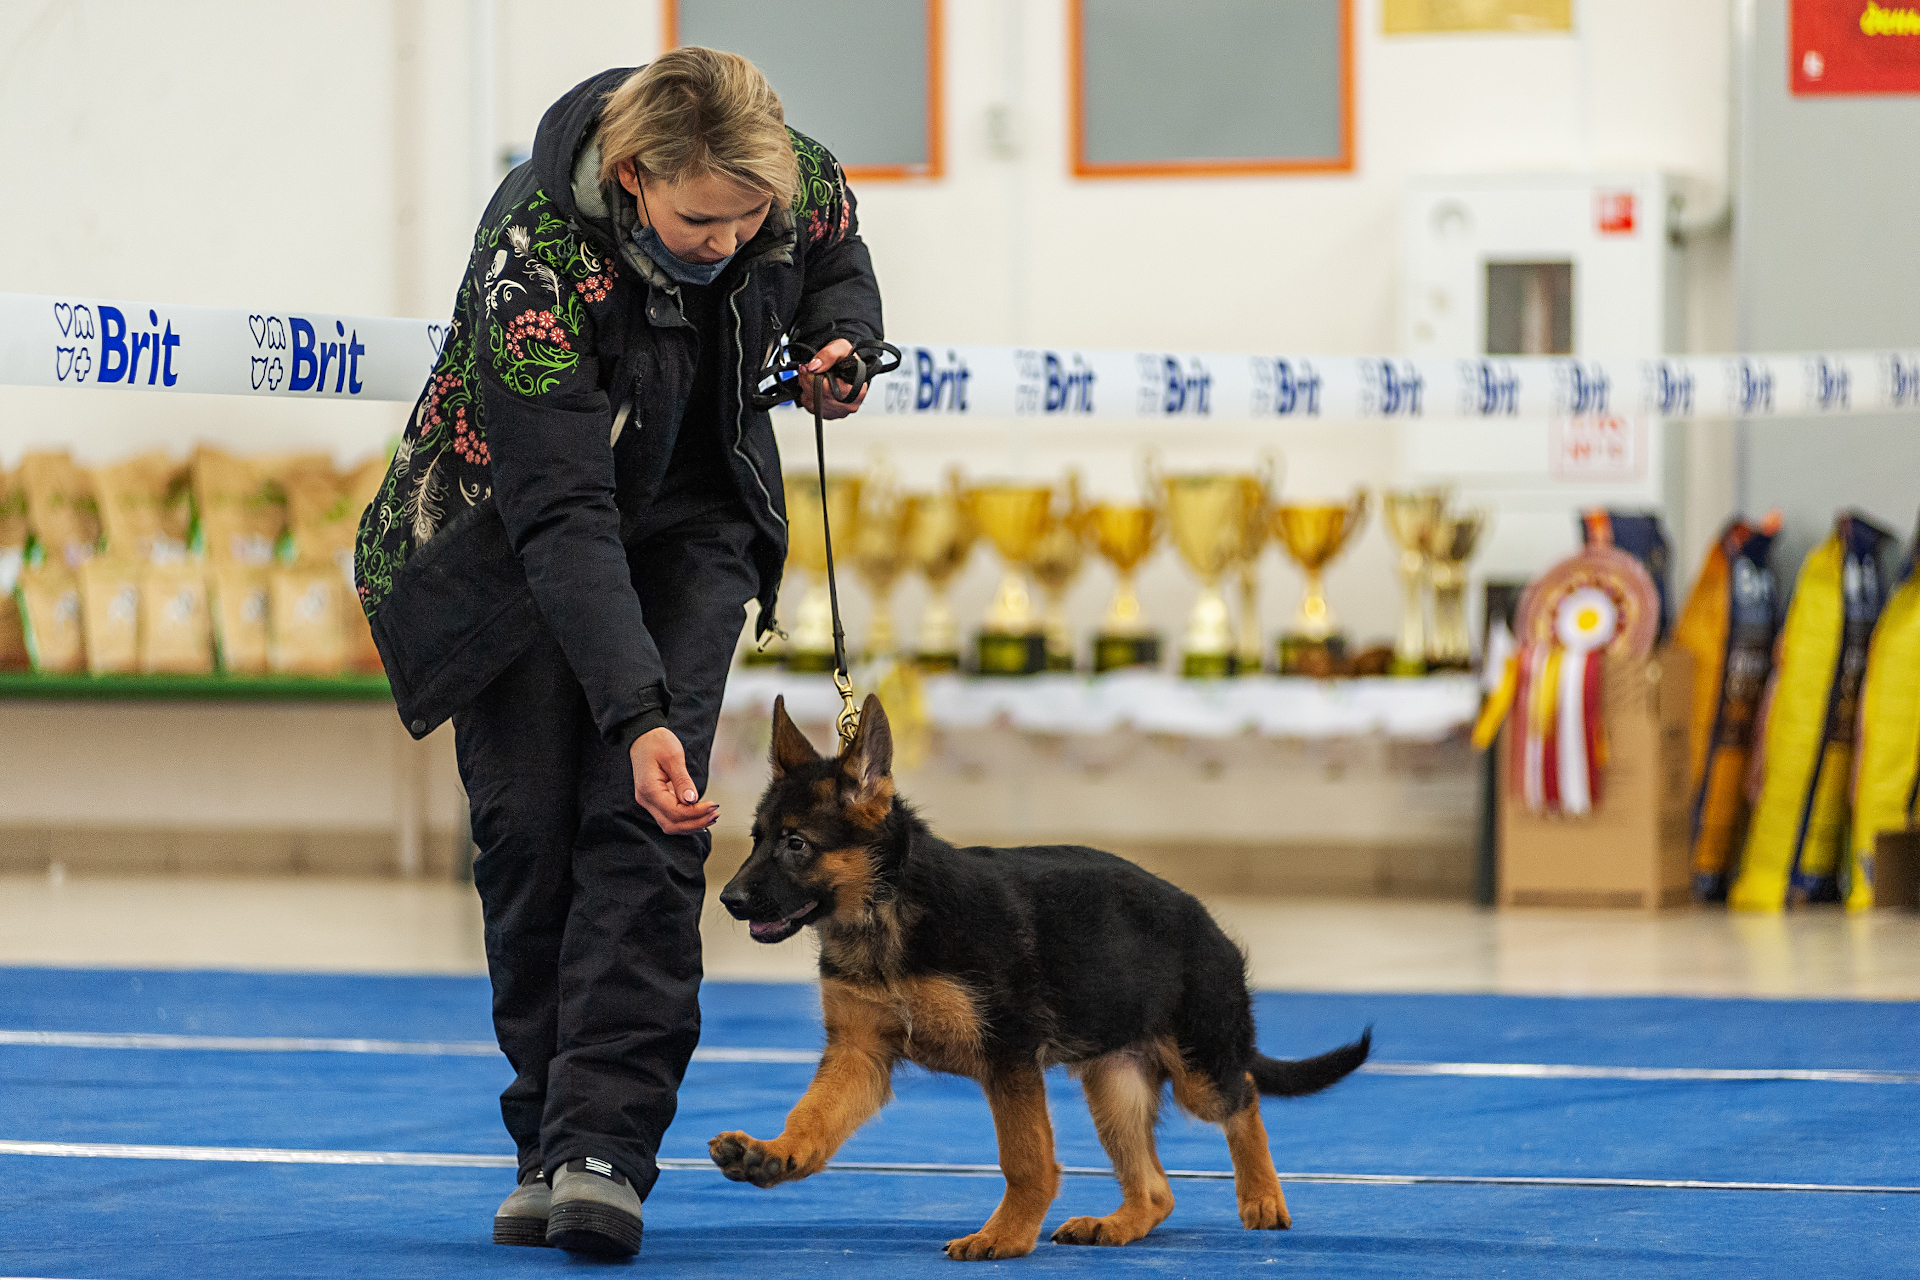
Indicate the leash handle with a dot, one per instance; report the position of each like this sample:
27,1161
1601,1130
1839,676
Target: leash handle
849,721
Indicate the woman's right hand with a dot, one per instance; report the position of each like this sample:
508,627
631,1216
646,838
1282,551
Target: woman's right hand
661,785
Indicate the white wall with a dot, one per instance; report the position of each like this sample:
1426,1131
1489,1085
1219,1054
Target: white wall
232,153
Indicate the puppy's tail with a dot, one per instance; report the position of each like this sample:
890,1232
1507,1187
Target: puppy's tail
1310,1075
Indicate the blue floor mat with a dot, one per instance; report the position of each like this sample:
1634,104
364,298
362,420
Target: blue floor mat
79,1217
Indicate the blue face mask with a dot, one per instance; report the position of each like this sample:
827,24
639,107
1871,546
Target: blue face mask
649,243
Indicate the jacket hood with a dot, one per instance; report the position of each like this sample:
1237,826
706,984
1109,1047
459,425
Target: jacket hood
566,163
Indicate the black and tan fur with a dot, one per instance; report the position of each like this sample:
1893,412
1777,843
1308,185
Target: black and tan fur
996,964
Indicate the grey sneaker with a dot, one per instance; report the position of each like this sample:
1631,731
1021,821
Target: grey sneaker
594,1210
522,1216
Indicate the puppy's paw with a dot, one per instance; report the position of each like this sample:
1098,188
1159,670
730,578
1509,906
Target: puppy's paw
1110,1230
764,1164
986,1245
1265,1213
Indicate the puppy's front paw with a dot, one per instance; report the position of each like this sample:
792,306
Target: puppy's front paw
987,1244
764,1164
1265,1213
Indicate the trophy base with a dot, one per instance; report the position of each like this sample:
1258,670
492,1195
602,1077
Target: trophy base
1059,661
1456,665
1003,653
937,663
812,661
1321,656
1115,653
1207,666
1407,666
771,656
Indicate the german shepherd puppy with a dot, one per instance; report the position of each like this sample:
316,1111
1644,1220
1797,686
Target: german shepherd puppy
996,964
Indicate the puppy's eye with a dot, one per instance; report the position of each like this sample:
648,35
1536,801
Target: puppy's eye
794,843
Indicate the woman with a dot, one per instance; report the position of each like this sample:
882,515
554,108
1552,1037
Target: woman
559,560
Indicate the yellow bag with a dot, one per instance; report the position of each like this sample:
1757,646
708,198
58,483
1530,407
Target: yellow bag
1798,836
237,605
1889,760
144,508
62,515
303,612
110,614
48,597
176,632
1728,626
240,515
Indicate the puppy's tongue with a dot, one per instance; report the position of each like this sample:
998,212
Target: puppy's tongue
770,928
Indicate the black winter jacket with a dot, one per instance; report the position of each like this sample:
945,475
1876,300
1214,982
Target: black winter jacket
568,355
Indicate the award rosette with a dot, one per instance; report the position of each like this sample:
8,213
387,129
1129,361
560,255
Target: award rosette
1597,604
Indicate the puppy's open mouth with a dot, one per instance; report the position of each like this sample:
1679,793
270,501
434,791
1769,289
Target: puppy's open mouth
783,928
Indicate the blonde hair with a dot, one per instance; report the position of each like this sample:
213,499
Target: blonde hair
693,112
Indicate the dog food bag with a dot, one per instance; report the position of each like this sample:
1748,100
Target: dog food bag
1641,535
143,514
1728,626
48,598
1797,837
237,607
1888,768
303,617
176,626
240,515
62,515
110,614
13,556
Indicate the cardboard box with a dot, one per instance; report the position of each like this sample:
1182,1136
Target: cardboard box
1632,850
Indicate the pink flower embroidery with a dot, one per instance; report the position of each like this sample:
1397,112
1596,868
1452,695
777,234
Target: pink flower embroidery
594,288
467,442
535,324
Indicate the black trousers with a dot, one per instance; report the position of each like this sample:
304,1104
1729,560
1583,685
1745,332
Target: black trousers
592,912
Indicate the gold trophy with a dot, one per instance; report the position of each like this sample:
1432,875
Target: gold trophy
1450,547
940,534
1247,658
1207,515
1014,516
1411,518
1125,535
1056,563
1313,533
880,555
810,645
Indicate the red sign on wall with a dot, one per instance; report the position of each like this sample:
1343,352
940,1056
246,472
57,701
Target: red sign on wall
1854,46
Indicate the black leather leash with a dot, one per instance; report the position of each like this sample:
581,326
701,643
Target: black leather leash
869,360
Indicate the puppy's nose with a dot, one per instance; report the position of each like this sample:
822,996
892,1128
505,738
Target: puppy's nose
735,901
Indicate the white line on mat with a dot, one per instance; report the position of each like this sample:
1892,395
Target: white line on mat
431,1159
485,1049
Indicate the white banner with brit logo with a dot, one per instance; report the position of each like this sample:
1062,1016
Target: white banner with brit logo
127,345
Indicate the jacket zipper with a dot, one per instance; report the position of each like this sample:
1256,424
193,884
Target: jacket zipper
740,401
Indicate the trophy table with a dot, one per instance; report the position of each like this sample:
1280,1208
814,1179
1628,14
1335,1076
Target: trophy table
1124,535
810,644
1312,535
1014,518
1206,516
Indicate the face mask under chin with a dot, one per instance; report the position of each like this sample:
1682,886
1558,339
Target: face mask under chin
648,241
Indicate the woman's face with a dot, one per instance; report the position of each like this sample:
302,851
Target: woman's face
702,219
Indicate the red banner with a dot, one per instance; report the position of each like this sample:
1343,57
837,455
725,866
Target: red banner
1854,47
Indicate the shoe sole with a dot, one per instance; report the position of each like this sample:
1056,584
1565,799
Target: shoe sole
587,1227
520,1230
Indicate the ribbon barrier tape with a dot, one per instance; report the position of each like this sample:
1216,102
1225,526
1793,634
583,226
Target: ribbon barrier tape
119,345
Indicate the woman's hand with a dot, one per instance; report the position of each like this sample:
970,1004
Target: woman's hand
834,407
662,787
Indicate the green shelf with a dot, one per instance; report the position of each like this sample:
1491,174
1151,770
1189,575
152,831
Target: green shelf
158,688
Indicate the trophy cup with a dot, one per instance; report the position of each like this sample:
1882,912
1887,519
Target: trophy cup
1125,535
1411,518
810,645
1451,546
940,533
1247,659
1014,518
1056,563
1206,514
880,555
1313,534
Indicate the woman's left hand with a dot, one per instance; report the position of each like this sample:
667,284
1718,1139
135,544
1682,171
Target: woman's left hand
833,407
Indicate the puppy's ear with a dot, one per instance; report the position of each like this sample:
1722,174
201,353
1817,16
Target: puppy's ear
790,746
869,760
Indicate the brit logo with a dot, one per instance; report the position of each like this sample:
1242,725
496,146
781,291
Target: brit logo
1670,389
314,361
1170,388
936,385
1050,382
1390,389
1287,388
1489,389
1901,380
1750,386
1580,389
1828,385
269,367
75,322
128,347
